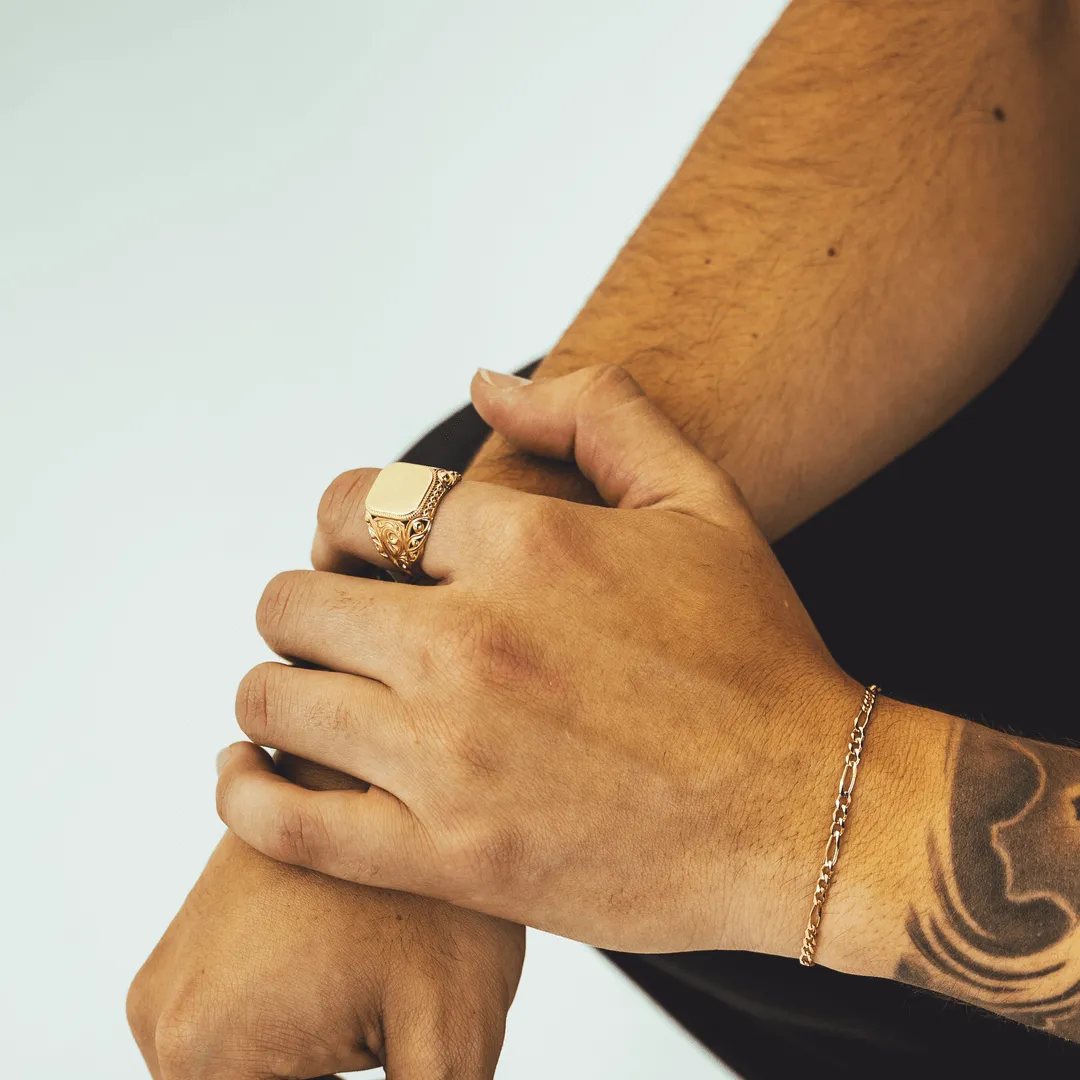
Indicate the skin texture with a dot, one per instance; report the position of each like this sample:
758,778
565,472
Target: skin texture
610,793
1003,930
248,981
854,246
518,773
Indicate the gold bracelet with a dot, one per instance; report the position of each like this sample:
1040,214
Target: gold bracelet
839,820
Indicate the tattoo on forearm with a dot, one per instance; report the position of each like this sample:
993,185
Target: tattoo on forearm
1004,930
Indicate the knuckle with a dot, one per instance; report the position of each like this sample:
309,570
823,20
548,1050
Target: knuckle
613,396
606,379
607,383
549,537
482,857
295,836
493,650
340,501
184,1045
278,604
223,798
200,1037
256,699
559,528
141,1012
537,528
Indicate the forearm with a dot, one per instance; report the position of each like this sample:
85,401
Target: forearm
961,867
871,226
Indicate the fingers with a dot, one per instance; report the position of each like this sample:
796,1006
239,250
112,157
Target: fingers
457,1044
342,539
368,837
351,724
420,1058
600,418
344,623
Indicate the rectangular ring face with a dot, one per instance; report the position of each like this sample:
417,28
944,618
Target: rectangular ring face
399,489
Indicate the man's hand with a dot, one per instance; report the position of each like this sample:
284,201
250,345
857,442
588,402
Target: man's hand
811,294
610,723
271,971
621,725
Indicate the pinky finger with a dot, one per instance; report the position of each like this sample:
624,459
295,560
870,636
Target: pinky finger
365,836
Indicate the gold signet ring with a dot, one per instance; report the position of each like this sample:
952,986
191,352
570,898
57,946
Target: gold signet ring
400,508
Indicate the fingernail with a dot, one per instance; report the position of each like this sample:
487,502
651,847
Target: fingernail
223,758
501,380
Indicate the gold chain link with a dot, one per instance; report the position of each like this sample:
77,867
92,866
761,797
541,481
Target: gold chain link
839,820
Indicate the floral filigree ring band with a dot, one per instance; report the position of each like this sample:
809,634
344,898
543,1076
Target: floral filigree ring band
400,508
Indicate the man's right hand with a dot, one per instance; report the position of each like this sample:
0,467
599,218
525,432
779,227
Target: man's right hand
271,971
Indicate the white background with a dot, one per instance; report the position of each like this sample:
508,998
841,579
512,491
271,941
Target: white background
244,246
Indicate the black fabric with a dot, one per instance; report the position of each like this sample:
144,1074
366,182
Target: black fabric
948,579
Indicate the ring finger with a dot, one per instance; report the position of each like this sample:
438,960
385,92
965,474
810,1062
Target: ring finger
456,540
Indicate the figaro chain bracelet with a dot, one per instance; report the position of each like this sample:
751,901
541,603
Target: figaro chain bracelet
839,820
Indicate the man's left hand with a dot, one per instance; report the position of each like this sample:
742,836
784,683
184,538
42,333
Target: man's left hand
616,723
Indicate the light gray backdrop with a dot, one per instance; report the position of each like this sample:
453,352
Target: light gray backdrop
244,246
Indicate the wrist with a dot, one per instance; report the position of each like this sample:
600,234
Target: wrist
882,872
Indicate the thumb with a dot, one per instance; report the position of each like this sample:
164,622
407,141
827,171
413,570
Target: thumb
601,419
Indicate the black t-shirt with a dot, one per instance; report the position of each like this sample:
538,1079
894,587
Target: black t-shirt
947,578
